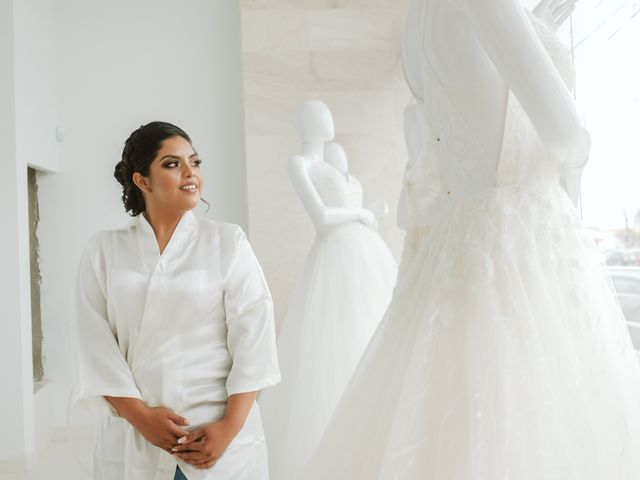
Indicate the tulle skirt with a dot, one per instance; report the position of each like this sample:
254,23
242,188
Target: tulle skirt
342,294
504,355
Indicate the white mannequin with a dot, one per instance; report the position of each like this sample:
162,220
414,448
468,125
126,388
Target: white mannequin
477,369
341,294
413,138
490,45
554,12
314,124
405,213
335,156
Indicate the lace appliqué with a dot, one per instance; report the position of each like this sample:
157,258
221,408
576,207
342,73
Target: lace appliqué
337,191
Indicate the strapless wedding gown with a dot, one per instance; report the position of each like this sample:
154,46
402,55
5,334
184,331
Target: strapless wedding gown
504,354
341,296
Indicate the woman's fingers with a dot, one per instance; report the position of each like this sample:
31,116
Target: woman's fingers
178,419
192,457
177,432
205,464
166,445
186,447
191,437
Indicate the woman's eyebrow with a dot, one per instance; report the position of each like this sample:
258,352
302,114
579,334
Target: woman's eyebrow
177,157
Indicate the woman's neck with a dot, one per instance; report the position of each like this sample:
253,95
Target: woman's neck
163,222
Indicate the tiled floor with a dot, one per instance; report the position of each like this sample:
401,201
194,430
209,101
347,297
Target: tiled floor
62,460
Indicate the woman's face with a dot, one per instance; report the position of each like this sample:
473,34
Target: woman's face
175,167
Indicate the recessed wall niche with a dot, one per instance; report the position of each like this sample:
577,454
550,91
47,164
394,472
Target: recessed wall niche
36,318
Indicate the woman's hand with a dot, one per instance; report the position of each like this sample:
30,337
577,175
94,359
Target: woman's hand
159,426
203,447
554,12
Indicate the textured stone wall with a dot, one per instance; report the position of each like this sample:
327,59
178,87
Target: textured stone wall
347,54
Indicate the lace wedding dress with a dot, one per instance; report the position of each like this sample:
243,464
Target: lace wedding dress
504,354
342,294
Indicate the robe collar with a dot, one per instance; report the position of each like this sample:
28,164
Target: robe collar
149,249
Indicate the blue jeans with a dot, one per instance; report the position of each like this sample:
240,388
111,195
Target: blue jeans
179,475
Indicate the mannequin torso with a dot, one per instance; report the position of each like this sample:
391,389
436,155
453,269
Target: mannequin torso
314,123
467,56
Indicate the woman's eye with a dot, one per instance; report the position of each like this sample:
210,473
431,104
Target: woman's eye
173,164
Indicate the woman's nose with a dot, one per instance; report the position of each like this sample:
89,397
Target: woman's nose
190,171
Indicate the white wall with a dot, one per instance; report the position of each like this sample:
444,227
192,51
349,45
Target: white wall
121,64
35,87
98,70
27,120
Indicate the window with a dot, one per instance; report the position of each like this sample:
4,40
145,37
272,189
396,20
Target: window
606,38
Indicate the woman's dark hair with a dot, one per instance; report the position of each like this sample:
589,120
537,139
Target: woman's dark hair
140,149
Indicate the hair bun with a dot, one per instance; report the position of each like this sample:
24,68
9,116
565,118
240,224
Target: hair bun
122,173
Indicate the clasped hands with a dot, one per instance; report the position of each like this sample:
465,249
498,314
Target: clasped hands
201,448
163,428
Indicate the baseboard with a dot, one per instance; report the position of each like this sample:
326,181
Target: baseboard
17,465
42,400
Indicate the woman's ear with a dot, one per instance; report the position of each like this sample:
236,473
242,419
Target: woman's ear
141,182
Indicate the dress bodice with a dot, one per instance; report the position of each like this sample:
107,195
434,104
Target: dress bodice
336,189
449,162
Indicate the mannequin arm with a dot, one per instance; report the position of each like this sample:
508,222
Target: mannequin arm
320,214
554,12
510,41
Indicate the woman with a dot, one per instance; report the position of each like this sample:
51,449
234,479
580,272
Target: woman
174,328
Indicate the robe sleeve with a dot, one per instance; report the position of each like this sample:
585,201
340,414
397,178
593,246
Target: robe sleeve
100,366
251,336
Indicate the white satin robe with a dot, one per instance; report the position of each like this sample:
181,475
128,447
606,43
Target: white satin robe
182,330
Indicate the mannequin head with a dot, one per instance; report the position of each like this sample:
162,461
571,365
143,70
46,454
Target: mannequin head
313,122
335,155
